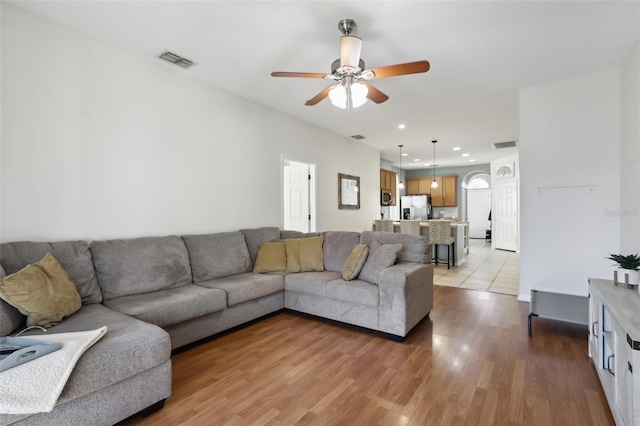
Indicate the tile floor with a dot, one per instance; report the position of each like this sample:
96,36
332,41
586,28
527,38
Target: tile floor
484,269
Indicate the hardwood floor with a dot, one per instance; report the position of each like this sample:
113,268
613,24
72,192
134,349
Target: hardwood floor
470,363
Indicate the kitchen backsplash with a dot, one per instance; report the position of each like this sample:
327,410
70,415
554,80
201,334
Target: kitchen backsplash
393,212
446,212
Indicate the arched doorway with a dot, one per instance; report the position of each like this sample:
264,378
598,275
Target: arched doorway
476,202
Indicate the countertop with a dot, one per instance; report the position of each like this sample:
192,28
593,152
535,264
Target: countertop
425,223
623,305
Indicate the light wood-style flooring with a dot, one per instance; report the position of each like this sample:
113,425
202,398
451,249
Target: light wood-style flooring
470,363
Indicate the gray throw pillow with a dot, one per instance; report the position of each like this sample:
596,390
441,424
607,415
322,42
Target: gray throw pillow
381,256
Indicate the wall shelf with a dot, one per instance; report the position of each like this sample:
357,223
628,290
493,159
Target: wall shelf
565,187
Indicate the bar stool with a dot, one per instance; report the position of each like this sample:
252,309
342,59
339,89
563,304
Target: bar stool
440,234
384,225
411,227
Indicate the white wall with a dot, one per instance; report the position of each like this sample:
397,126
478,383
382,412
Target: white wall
98,143
630,153
569,139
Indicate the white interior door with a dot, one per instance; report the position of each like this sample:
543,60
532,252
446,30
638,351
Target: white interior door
296,197
478,208
505,223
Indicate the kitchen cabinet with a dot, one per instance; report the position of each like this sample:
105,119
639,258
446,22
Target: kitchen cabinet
614,347
388,182
445,195
417,186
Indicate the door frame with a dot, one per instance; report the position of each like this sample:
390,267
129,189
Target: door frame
286,160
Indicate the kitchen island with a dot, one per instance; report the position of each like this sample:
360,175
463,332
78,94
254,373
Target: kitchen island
459,231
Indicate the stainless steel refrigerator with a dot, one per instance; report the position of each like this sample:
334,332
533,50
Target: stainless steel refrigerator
416,207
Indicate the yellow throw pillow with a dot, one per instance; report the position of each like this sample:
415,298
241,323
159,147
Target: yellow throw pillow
42,291
304,254
355,262
271,257
292,246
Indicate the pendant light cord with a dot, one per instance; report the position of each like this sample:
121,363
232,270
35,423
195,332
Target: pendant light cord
434,184
401,176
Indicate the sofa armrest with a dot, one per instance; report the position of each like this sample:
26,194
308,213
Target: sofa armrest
406,296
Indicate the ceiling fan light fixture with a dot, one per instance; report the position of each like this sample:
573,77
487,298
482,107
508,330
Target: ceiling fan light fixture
350,47
358,91
358,94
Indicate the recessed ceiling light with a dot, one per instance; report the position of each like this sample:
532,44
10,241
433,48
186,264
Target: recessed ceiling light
416,159
405,154
457,148
465,155
427,164
401,126
472,160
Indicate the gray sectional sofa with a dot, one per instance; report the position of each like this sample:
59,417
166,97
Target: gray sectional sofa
156,294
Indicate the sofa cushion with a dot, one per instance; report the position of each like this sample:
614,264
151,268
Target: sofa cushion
414,249
358,292
128,348
337,247
304,254
272,257
171,306
310,282
255,237
10,317
41,291
355,262
217,255
74,257
140,265
285,234
244,287
381,256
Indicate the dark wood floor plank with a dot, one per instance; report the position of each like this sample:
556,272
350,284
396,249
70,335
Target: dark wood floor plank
470,363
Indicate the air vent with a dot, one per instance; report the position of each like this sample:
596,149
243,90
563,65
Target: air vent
502,145
358,137
175,59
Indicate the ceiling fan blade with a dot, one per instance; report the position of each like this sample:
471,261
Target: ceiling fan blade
297,74
320,96
374,94
350,47
401,69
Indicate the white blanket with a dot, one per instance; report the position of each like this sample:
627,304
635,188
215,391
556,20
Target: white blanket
35,386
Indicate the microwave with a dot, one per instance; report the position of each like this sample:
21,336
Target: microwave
386,197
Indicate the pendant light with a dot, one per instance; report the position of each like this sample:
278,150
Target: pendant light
400,185
434,184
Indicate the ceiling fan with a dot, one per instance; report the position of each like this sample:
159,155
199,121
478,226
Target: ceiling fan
351,88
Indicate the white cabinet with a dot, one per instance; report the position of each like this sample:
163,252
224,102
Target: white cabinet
614,346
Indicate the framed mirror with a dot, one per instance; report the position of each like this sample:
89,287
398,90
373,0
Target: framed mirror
348,192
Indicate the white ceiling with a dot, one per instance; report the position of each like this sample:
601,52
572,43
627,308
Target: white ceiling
481,54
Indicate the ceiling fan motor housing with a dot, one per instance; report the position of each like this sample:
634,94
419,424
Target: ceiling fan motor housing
346,26
336,64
